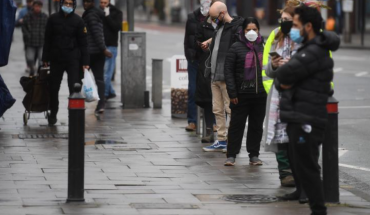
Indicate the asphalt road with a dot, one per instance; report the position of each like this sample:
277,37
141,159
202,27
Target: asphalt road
352,77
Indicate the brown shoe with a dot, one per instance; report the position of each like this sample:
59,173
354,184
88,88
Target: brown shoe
214,128
288,181
191,127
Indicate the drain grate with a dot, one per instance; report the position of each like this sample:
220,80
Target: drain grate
254,199
109,142
43,136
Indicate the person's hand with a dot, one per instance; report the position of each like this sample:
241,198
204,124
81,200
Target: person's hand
107,53
275,61
204,45
21,21
46,64
283,61
106,11
234,101
86,67
285,87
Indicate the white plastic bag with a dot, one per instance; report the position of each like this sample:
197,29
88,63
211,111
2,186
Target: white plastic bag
89,88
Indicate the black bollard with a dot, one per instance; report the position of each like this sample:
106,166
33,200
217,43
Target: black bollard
76,143
330,159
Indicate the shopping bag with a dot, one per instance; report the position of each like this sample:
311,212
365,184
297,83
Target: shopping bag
7,24
89,88
6,99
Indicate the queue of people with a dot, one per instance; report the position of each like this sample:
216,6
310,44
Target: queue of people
284,81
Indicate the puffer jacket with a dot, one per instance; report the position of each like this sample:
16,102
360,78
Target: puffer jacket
190,44
65,39
309,72
234,70
228,37
93,18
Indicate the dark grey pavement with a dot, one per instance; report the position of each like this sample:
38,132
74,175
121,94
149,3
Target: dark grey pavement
155,167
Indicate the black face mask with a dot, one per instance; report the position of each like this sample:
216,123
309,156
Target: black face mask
286,26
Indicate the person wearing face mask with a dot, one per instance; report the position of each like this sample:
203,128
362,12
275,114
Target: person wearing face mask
223,38
275,137
304,84
243,76
65,49
192,56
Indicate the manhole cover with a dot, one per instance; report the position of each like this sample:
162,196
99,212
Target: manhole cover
254,199
43,136
109,142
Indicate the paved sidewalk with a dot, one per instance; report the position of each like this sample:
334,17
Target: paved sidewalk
155,167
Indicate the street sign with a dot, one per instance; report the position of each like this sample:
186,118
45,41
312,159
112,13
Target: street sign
348,6
179,86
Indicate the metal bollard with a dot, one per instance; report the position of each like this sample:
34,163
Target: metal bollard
330,159
76,146
157,83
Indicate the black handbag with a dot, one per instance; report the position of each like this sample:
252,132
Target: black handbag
208,70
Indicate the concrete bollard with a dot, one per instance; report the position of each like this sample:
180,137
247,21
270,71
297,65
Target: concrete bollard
76,146
157,83
330,158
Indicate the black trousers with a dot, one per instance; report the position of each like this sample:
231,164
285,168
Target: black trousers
57,69
253,109
97,62
208,115
303,151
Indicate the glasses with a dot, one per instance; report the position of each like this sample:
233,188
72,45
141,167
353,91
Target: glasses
285,20
68,4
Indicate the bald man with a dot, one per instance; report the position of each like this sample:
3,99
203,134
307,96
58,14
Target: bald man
224,37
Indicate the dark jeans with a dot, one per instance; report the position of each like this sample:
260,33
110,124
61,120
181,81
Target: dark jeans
73,69
254,110
97,62
303,156
192,76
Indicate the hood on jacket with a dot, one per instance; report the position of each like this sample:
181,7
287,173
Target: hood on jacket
328,40
74,5
237,20
99,12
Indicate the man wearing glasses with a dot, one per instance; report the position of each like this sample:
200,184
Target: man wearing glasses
65,49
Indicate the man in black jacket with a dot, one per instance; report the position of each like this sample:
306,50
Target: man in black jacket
224,37
112,25
93,18
305,85
192,56
65,49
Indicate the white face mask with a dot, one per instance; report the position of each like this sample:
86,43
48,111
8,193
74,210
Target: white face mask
205,5
251,35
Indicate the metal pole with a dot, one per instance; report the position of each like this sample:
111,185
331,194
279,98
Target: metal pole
131,14
76,146
330,157
157,82
347,29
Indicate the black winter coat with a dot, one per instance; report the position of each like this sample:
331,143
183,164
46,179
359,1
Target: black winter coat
234,71
190,43
65,39
112,26
203,93
310,72
93,18
229,37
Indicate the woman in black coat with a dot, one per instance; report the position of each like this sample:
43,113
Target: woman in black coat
203,93
243,77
